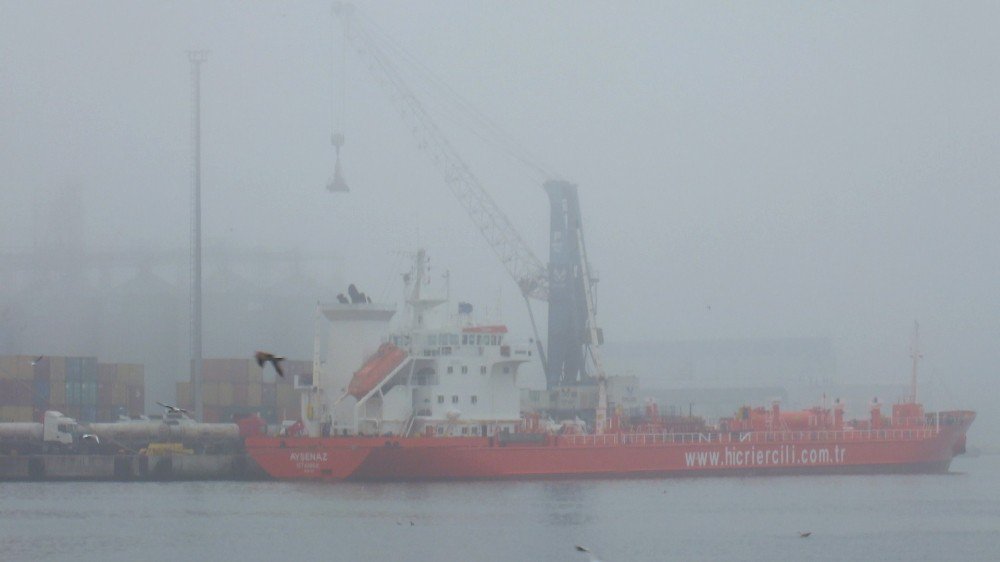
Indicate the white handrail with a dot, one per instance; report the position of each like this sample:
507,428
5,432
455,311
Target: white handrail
616,439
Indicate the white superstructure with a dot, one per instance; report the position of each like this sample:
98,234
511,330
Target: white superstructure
441,374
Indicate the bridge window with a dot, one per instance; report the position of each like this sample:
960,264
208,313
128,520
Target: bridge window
450,369
506,370
453,339
432,339
474,399
440,398
440,430
465,431
465,369
482,370
454,399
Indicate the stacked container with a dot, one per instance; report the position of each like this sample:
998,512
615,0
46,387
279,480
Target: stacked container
234,388
76,386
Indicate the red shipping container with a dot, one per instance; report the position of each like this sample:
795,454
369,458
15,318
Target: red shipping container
18,392
211,414
107,373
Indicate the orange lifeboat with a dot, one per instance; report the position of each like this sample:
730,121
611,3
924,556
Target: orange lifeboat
375,370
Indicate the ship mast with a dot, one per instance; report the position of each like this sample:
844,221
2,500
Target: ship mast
915,355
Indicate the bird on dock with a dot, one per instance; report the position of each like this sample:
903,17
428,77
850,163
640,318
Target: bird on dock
265,357
804,534
172,409
36,360
588,552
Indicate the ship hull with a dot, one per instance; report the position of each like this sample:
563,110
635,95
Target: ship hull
925,450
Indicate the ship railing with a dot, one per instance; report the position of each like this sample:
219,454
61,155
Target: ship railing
757,437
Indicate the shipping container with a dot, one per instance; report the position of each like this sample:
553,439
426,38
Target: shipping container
104,394
210,393
269,395
74,369
253,395
88,413
41,391
118,394
89,366
107,373
130,374
287,397
255,374
136,404
212,414
8,367
74,392
25,369
88,393
240,394
184,398
42,368
57,368
16,414
225,394
7,397
57,393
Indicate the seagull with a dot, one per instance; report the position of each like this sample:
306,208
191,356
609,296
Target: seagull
805,534
172,409
588,552
36,360
264,357
91,437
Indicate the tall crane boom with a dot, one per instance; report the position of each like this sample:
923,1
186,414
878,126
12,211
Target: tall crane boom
528,271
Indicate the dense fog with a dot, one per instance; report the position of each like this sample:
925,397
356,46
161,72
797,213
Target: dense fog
749,173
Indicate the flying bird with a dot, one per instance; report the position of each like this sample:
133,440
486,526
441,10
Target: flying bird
264,357
804,534
36,360
588,552
172,409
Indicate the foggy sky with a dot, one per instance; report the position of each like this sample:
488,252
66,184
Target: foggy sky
746,170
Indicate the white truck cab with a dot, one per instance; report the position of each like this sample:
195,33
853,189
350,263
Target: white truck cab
58,428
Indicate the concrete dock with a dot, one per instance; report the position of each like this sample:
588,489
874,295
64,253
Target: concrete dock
124,468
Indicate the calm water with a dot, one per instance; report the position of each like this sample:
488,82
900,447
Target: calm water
934,517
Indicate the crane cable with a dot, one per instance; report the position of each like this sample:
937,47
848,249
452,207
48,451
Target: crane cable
465,114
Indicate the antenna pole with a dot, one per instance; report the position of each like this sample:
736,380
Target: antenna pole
915,355
196,58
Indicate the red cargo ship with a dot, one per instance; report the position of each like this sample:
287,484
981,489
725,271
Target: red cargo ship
903,444
440,401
